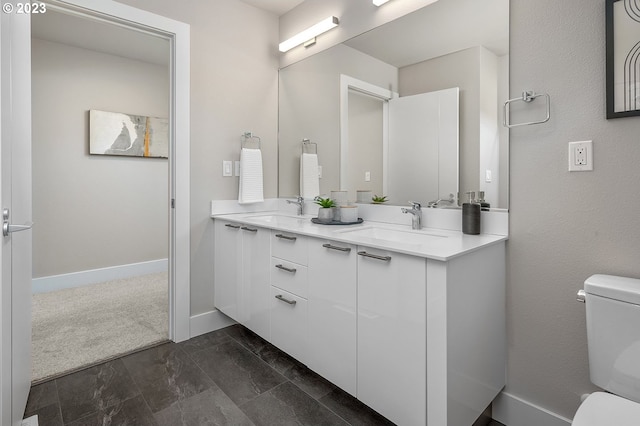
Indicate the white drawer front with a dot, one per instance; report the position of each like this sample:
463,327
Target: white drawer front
288,246
289,276
289,323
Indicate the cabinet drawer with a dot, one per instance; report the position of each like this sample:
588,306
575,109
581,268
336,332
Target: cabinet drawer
289,276
289,323
288,246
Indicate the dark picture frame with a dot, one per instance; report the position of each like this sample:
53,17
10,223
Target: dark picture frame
623,68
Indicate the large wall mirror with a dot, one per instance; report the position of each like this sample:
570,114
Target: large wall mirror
448,44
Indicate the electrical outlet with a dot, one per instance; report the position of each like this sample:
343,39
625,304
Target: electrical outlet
580,156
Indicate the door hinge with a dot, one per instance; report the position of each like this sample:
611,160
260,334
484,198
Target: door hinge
173,203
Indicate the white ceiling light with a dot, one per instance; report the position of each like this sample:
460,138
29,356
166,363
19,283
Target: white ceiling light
308,34
379,2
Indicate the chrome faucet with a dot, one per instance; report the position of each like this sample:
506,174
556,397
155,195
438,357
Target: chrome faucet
416,214
299,202
451,201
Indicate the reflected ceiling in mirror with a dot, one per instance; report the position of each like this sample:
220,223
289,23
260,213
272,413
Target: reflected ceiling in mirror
450,43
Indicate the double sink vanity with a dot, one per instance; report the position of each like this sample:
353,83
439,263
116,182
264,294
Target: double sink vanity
410,322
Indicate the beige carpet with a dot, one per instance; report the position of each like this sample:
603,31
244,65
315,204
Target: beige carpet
77,327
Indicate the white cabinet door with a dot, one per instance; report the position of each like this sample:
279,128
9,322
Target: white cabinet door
332,312
255,279
392,335
289,323
227,265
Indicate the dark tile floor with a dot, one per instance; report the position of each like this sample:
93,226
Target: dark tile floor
227,377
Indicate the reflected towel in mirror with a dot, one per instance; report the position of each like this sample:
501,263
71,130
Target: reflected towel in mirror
309,180
251,185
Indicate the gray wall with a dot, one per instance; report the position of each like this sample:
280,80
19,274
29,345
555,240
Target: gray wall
93,211
365,144
310,108
564,226
234,88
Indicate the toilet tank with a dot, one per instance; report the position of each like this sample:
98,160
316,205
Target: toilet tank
613,333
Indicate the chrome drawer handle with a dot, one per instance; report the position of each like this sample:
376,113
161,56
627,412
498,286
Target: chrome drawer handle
280,297
374,256
232,226
284,268
286,237
332,247
249,229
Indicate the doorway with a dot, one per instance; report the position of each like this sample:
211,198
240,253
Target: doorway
102,285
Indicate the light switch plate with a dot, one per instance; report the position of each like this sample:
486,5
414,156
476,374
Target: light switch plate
227,168
581,156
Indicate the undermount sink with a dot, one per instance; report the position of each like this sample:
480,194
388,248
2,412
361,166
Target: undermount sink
394,235
281,220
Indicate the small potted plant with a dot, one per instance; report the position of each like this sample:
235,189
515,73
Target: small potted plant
379,200
325,212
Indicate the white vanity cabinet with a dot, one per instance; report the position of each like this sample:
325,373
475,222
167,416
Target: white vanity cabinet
332,312
288,300
392,335
420,338
228,268
242,274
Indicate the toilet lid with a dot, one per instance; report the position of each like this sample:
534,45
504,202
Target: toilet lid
603,409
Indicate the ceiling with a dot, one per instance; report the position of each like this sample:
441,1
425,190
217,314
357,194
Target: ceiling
86,33
438,29
279,7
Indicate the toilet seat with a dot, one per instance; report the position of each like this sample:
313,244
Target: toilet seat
603,409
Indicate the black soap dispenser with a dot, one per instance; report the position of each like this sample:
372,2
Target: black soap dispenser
471,216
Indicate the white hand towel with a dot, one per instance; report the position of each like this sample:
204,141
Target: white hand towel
309,181
250,190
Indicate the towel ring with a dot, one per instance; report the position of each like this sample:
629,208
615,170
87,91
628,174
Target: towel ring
527,97
307,144
248,137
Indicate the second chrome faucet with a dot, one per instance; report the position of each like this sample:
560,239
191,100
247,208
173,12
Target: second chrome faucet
416,214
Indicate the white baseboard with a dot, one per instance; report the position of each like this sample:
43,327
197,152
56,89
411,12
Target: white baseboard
93,276
208,322
31,421
513,411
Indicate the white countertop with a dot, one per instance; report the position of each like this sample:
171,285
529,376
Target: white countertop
439,244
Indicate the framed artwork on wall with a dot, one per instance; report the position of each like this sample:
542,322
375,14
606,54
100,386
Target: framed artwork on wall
623,58
116,133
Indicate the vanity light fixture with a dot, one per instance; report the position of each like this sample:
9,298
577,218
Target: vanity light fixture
379,2
310,33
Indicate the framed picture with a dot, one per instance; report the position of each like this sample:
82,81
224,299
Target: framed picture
623,58
115,133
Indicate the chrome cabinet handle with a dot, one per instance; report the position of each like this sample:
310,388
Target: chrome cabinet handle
232,226
284,268
374,256
332,247
286,237
280,297
249,229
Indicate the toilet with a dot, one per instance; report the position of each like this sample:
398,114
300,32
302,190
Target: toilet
613,334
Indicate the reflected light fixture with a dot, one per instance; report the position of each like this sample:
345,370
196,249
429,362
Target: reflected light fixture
379,2
310,33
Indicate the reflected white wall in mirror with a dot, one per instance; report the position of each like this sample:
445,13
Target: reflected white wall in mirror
450,43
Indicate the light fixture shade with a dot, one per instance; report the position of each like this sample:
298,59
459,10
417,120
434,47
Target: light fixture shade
311,32
379,2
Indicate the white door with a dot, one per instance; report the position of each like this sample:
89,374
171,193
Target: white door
423,146
15,202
